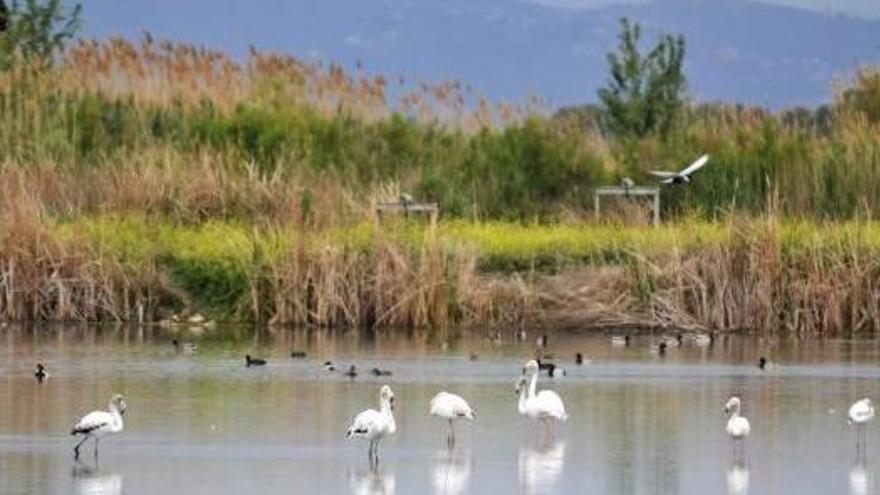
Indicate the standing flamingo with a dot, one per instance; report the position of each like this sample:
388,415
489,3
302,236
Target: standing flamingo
98,423
545,406
737,426
373,425
451,407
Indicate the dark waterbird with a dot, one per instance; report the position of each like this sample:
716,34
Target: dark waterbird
352,371
298,354
184,347
380,372
251,361
579,359
42,373
328,366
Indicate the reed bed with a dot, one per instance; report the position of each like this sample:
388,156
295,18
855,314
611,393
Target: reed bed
746,274
148,180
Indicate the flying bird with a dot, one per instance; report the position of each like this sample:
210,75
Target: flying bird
683,177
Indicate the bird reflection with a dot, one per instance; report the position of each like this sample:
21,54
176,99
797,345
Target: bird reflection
859,479
452,472
737,479
540,469
371,482
92,481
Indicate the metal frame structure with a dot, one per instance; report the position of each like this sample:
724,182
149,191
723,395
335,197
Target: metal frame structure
627,191
407,207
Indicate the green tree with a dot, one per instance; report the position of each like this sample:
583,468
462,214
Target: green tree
644,92
36,29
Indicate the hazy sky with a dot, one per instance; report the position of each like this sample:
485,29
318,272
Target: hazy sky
861,8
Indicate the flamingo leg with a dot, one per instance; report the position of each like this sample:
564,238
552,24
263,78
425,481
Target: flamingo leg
76,449
450,438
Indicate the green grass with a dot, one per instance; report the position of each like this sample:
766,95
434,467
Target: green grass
226,251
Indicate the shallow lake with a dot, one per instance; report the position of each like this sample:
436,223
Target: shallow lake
640,423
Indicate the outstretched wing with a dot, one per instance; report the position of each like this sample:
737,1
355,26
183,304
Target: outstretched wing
697,165
662,174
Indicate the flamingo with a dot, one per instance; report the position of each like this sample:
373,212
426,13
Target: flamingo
451,407
860,413
98,423
545,406
373,425
737,426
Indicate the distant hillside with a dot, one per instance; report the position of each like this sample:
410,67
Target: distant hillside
739,51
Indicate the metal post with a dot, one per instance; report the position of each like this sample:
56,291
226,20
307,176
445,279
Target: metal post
656,209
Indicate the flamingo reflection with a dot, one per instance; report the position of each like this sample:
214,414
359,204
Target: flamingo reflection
541,468
371,482
737,479
452,472
860,482
92,481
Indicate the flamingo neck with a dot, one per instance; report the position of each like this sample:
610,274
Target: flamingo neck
117,418
533,385
385,410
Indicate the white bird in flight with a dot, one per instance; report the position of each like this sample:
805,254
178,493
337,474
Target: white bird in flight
545,406
373,425
683,177
96,424
451,407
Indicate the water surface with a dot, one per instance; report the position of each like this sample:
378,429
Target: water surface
640,423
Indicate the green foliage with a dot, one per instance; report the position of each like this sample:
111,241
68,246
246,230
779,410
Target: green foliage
36,29
644,92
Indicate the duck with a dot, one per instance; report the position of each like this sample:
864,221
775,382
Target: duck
42,372
184,347
328,366
474,356
765,364
702,339
251,361
579,359
352,372
659,348
380,372
298,354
